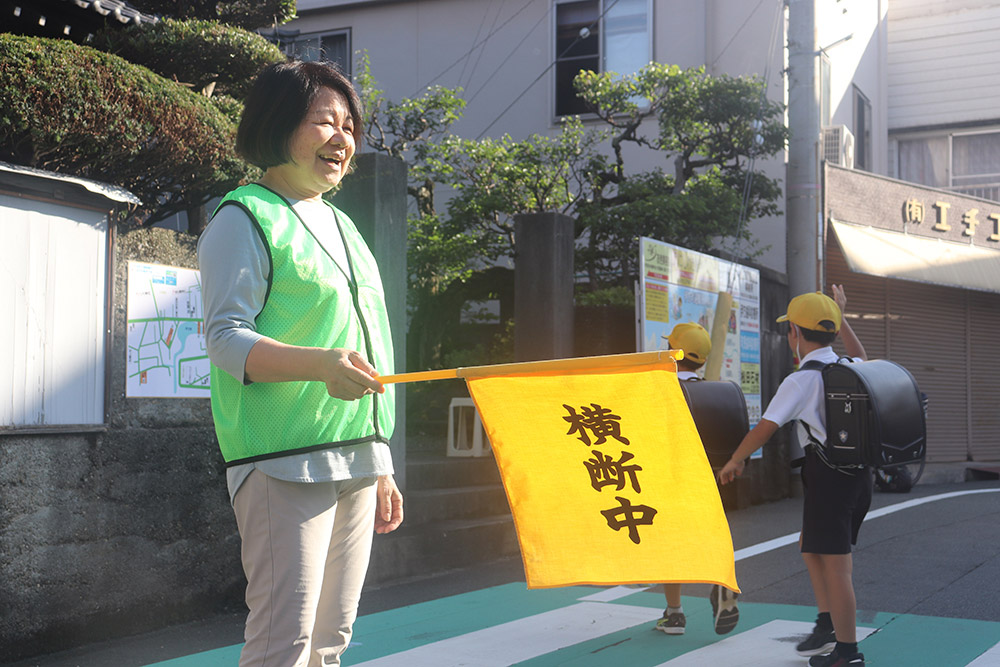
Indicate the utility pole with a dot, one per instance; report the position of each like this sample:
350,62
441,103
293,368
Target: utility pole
803,221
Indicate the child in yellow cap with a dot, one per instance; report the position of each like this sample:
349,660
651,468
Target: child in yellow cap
694,340
836,499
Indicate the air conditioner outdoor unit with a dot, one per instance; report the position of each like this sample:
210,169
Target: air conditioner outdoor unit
838,146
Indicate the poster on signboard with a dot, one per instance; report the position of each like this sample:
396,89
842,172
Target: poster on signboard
166,355
681,285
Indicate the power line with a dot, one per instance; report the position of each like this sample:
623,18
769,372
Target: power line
474,47
504,60
736,34
475,39
748,180
482,50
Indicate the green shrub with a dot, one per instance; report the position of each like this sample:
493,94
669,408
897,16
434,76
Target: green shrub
249,14
230,107
194,52
75,110
606,296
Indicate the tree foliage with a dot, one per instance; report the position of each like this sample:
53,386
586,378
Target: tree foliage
408,128
702,134
709,129
495,180
209,56
248,14
75,110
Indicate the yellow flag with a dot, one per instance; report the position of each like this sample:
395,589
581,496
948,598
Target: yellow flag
606,477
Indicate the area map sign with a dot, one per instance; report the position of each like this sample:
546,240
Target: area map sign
166,355
681,285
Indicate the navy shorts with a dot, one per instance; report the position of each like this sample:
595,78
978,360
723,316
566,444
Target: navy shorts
836,503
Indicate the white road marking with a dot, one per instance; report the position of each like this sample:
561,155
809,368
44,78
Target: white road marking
770,644
523,639
612,594
989,659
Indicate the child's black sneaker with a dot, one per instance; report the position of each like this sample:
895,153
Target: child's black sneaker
819,642
672,624
724,609
836,660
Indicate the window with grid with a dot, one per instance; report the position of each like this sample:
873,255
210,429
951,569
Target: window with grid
862,131
334,47
966,162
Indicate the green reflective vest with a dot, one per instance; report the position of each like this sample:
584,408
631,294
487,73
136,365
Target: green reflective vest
311,301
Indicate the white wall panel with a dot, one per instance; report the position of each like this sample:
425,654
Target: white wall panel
54,278
942,62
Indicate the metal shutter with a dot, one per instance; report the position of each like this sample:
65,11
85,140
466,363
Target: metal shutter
984,323
866,302
925,329
929,338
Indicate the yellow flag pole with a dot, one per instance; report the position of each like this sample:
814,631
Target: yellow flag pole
720,325
573,363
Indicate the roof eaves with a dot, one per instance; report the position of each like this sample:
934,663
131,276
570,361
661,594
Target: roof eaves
112,192
117,9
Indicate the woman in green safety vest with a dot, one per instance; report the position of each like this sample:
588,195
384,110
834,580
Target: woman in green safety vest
297,332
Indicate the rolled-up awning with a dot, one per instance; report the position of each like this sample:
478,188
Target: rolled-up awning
878,252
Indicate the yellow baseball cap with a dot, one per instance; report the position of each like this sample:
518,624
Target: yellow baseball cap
815,311
693,339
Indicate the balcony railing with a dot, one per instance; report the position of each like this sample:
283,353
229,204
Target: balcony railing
984,190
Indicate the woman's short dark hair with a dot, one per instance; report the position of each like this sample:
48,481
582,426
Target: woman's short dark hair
278,101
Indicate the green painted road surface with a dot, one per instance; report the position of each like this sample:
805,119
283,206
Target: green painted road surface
591,627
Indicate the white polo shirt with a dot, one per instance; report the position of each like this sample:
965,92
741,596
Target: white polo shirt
800,398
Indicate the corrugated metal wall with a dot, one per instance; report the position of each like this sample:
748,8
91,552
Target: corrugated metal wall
942,58
945,337
984,381
54,277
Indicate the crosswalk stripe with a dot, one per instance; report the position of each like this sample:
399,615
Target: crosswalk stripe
770,644
989,659
611,594
523,639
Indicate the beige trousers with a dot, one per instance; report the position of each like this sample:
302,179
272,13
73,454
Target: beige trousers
306,548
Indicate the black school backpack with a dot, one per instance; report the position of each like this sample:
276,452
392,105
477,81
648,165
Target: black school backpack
719,411
874,414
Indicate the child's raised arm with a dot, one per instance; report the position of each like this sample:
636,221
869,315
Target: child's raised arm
852,344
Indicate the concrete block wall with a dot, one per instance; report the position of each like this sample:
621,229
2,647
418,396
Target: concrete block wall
120,531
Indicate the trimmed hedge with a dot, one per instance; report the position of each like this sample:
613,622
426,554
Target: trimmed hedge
194,52
75,110
249,14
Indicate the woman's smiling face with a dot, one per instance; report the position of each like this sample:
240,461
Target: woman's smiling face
321,147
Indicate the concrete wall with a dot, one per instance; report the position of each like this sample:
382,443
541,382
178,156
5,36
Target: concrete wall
121,531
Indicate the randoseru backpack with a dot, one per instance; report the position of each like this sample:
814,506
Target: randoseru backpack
874,413
719,411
